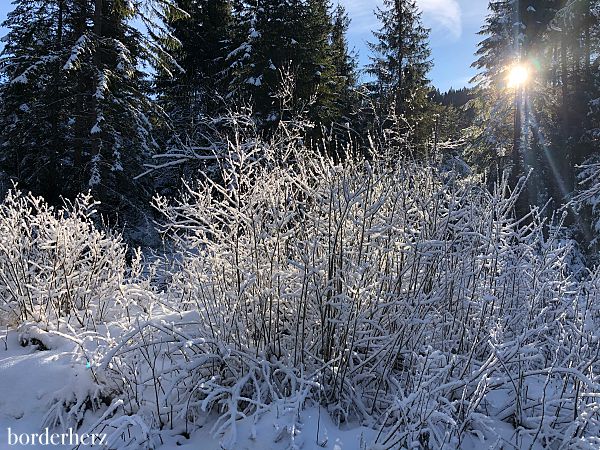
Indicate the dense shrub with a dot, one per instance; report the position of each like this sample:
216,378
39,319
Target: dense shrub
56,263
412,303
390,296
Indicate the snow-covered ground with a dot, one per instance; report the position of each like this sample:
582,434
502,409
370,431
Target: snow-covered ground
30,379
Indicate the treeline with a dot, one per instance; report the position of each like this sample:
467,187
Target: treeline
92,90
96,93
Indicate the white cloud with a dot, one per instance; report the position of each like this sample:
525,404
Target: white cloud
446,13
361,13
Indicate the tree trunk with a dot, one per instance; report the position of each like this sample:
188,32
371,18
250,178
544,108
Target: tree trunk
399,100
587,41
51,191
565,165
59,31
80,108
564,80
96,138
98,18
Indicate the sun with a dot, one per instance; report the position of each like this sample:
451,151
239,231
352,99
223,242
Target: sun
518,76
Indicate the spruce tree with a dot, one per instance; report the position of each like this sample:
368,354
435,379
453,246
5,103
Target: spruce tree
33,122
272,53
244,37
198,85
284,60
503,136
581,111
400,65
572,37
345,76
556,40
75,114
317,71
491,137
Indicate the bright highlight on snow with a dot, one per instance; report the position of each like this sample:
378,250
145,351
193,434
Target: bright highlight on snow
518,76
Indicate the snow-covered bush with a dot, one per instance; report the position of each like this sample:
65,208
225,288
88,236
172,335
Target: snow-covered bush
415,306
406,300
56,264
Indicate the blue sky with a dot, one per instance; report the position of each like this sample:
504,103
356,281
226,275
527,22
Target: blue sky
454,24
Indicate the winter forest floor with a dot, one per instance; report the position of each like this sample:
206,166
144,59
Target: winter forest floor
32,378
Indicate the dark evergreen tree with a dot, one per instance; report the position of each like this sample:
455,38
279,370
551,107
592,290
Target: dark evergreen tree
503,128
400,65
545,127
244,37
345,66
570,41
271,53
452,115
318,72
198,85
580,110
491,137
452,97
33,122
75,114
284,60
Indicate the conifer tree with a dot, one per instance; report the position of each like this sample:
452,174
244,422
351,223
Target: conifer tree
513,33
286,45
571,37
317,71
272,52
33,123
491,136
552,39
400,64
243,36
345,77
198,86
581,111
75,114
556,41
